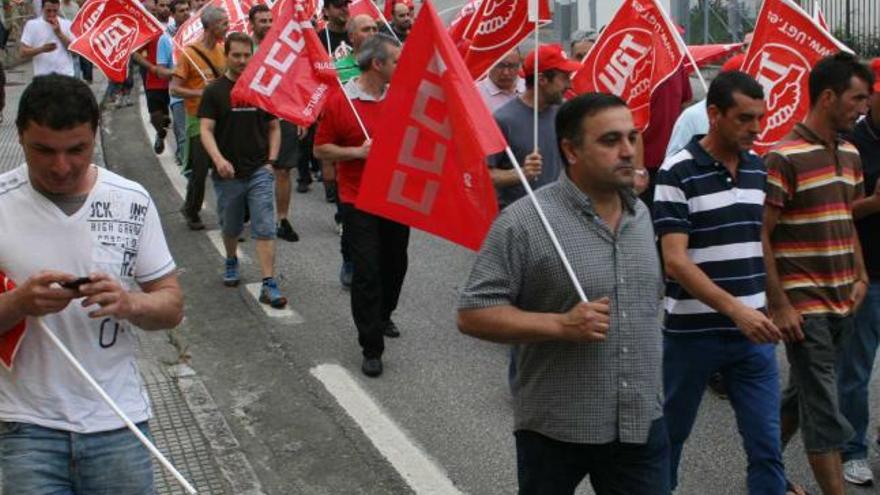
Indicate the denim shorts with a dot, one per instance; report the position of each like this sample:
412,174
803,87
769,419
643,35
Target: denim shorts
257,192
37,460
811,396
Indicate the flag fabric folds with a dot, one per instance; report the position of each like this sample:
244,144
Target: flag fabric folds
786,45
636,52
291,76
121,27
86,16
427,167
496,28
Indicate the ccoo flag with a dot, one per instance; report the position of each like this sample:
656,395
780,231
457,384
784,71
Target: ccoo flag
427,166
291,75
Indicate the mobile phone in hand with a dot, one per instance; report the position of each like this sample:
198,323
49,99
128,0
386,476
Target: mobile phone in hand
74,284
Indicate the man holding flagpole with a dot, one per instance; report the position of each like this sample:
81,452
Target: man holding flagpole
541,161
378,246
587,392
115,272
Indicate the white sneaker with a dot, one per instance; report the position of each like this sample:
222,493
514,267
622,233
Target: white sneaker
857,472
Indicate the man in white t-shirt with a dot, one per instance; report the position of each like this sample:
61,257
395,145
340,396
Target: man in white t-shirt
65,219
46,39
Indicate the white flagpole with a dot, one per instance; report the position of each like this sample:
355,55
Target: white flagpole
354,110
128,423
382,15
191,61
535,91
547,227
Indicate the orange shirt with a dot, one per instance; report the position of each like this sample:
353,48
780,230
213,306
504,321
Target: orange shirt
192,78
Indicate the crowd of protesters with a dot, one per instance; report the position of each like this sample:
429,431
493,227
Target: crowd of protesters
697,257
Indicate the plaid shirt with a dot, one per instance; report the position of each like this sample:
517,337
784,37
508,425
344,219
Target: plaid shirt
589,393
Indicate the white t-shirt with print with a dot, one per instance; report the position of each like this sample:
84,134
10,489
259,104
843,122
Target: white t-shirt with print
36,33
116,231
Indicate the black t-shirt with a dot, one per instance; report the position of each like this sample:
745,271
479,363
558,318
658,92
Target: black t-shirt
336,39
866,137
242,133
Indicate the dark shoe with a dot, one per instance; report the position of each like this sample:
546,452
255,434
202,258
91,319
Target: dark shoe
271,295
716,385
194,222
285,231
391,330
330,192
346,273
159,145
372,367
302,187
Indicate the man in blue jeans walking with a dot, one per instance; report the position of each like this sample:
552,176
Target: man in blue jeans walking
857,360
243,145
708,209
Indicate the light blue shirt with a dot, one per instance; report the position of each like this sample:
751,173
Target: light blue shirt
165,58
692,122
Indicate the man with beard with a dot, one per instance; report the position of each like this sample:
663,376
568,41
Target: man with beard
401,19
816,276
540,161
260,19
243,145
335,35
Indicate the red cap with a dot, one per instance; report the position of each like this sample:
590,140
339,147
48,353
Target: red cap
549,57
875,66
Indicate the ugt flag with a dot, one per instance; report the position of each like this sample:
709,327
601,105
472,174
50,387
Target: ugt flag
498,27
427,166
358,7
786,45
291,75
87,16
638,50
11,339
122,27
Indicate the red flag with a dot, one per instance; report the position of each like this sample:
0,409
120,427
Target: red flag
238,15
191,30
358,7
462,21
638,50
86,17
291,75
819,16
11,339
122,27
427,166
499,26
786,45
703,54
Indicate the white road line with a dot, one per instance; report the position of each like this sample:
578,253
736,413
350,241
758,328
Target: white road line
166,159
216,238
421,472
290,314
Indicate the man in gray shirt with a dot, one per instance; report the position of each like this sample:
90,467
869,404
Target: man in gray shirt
540,161
587,392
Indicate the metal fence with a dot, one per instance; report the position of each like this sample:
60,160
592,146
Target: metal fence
855,22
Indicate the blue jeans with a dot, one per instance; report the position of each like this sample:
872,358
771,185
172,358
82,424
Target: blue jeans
42,461
548,466
257,193
854,371
751,376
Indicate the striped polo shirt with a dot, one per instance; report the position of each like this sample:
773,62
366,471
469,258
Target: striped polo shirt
722,216
814,184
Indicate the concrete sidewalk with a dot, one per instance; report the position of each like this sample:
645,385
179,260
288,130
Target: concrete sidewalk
186,425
